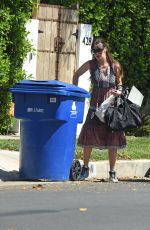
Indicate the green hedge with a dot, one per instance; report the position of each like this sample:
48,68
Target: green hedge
14,47
125,24
144,130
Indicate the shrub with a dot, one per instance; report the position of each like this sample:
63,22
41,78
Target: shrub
144,130
14,47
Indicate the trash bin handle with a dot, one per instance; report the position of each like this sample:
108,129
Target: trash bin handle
34,82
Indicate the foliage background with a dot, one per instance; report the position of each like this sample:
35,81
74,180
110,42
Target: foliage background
14,47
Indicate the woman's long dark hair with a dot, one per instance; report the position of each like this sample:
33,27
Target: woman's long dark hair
96,41
112,62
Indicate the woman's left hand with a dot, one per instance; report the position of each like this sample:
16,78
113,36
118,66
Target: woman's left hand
116,92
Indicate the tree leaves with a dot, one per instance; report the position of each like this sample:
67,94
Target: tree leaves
13,49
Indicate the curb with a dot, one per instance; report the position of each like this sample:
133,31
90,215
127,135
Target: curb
126,169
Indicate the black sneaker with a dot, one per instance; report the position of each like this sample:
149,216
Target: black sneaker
84,173
112,176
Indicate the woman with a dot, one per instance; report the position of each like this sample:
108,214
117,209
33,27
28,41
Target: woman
106,77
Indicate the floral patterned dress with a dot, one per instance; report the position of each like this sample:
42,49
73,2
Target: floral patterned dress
95,133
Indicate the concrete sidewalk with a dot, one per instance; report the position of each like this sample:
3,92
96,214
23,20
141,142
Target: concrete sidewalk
9,165
126,169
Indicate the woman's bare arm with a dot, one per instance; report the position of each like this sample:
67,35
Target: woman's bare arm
80,71
119,73
119,77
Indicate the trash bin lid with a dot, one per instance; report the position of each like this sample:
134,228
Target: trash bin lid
49,87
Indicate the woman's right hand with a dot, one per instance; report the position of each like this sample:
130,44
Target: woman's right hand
116,92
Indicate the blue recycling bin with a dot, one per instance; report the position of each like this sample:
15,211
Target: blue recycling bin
49,112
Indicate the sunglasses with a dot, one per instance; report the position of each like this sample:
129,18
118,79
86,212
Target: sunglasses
98,50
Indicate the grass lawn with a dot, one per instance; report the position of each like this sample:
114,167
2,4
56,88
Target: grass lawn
10,144
137,148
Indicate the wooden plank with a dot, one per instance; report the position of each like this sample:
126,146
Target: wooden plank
55,13
40,66
48,26
66,32
52,66
52,13
49,13
46,38
45,66
41,12
66,67
67,63
41,35
53,34
69,15
52,6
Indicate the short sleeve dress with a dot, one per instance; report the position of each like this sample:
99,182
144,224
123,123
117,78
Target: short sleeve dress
95,133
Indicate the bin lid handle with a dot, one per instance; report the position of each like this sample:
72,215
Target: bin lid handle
40,82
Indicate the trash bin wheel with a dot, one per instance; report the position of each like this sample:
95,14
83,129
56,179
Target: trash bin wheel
75,170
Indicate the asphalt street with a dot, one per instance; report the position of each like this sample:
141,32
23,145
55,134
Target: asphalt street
76,206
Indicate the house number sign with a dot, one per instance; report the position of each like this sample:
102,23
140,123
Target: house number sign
87,41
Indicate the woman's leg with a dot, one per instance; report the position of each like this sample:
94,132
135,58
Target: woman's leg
86,155
112,154
85,169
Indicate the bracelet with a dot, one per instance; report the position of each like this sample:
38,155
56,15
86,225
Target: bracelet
120,87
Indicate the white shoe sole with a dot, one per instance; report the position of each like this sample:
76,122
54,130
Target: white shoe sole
113,180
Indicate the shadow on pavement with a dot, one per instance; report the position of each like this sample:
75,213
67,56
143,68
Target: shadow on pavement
147,174
135,180
14,176
9,175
